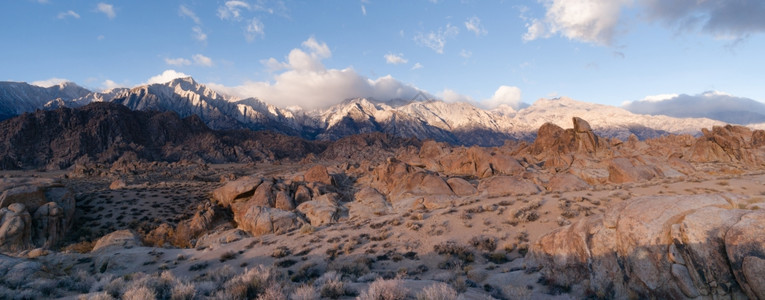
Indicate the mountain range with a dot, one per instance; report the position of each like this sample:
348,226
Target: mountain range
453,122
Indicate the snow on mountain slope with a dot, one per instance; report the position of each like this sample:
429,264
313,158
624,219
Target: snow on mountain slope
606,120
20,97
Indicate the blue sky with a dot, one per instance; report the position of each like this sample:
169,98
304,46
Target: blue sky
316,53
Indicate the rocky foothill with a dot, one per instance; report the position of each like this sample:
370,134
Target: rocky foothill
152,205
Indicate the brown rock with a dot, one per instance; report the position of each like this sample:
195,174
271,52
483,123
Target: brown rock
461,187
284,201
564,182
119,239
745,249
323,210
318,173
117,184
241,188
189,229
264,195
368,203
259,220
49,224
500,186
302,194
621,170
666,247
15,228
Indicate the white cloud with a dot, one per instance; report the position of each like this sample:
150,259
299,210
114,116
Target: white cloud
68,13
592,21
466,54
417,66
199,35
166,76
659,97
232,10
474,24
394,59
202,60
107,9
49,82
599,21
363,10
452,96
254,29
437,40
505,95
307,83
186,12
110,84
177,61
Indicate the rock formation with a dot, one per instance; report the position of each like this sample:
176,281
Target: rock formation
660,247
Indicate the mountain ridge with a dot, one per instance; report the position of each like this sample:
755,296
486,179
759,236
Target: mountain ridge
452,122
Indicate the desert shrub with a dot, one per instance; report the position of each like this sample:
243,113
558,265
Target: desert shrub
198,267
304,292
98,296
306,273
280,252
307,229
253,283
228,255
183,291
485,243
330,285
138,293
355,268
438,291
385,289
81,247
453,249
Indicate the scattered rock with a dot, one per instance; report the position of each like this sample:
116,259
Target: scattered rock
318,173
117,240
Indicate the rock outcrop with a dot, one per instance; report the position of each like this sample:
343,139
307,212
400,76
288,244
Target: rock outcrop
660,247
33,213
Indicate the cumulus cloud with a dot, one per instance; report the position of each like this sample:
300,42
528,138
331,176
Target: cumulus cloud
417,66
306,82
505,95
202,60
110,84
436,40
599,21
593,21
67,14
186,12
395,59
49,82
449,95
106,9
166,76
180,61
474,24
198,34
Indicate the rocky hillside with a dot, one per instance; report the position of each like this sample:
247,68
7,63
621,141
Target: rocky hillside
19,97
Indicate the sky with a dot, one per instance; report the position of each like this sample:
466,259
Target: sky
321,52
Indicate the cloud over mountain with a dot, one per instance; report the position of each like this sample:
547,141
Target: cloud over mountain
303,80
714,105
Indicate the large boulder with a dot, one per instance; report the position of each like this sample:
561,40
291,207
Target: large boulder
368,203
318,173
188,230
242,188
461,187
564,182
259,220
15,228
622,170
659,247
323,210
119,239
500,186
